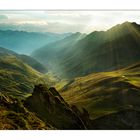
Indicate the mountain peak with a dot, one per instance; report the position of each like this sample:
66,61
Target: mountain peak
123,25
126,22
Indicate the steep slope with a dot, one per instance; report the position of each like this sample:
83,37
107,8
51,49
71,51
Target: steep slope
26,59
44,109
52,108
51,54
14,116
99,51
104,93
26,42
33,63
128,119
16,77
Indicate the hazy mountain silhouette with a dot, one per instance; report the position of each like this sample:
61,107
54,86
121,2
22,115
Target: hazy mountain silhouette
52,54
26,42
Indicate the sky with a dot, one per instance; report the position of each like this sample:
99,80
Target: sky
65,21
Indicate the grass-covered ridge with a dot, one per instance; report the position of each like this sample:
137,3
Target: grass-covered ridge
17,78
105,92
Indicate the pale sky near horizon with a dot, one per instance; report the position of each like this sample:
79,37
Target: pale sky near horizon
65,21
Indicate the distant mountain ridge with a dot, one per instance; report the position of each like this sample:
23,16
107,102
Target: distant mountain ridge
25,42
98,51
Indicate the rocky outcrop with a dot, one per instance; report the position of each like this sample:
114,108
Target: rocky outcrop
14,116
51,108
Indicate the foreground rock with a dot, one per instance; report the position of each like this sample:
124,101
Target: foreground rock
51,108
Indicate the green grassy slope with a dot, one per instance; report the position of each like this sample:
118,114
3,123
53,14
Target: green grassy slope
24,107
18,73
33,63
16,77
105,92
25,58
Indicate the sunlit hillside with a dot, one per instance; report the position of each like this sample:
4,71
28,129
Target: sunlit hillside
105,92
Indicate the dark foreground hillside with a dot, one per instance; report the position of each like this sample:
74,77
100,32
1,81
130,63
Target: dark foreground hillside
128,119
44,109
14,116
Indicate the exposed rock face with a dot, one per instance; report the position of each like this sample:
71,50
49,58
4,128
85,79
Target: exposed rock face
14,116
51,108
46,109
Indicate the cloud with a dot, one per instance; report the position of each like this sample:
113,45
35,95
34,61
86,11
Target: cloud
65,21
49,27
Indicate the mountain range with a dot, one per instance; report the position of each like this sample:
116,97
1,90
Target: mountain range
77,81
25,42
98,51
